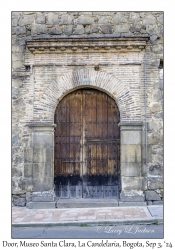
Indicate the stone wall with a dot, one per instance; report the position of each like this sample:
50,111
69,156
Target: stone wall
35,25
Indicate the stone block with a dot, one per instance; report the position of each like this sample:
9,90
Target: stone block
43,140
26,20
156,169
132,204
131,153
42,169
155,183
132,196
121,28
40,18
15,140
130,137
55,31
41,184
131,183
20,30
28,169
119,18
104,20
157,95
131,169
68,30
52,18
155,107
152,196
43,196
160,19
66,19
149,19
159,85
28,155
85,20
158,48
41,205
106,29
20,202
94,28
16,172
157,202
38,29
14,21
42,155
15,93
79,30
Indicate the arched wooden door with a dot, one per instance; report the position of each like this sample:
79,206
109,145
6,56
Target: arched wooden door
87,146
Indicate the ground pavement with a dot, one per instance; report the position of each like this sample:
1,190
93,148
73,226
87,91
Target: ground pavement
23,216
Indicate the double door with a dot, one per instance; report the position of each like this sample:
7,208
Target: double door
87,146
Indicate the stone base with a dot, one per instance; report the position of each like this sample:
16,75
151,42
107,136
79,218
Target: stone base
41,205
135,196
46,196
131,204
86,203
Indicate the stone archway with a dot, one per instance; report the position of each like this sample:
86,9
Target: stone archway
130,129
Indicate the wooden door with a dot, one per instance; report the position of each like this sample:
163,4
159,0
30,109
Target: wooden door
87,146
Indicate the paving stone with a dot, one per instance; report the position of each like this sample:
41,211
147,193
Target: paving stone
126,204
156,211
42,205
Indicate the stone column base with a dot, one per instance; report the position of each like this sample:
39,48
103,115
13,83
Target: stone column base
42,200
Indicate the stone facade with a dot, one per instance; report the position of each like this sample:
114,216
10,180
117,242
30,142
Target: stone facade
122,54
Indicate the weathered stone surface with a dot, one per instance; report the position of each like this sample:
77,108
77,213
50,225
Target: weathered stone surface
28,155
131,204
41,183
121,28
152,196
68,30
104,19
119,18
43,140
150,19
106,29
43,196
94,28
157,95
131,153
131,169
15,93
136,27
41,155
42,205
132,196
160,19
155,107
155,183
131,183
55,31
153,38
159,85
42,169
15,140
20,30
85,20
16,172
38,29
14,21
155,138
157,202
134,16
159,115
28,170
26,20
21,202
40,18
66,19
52,18
79,30
158,49
130,137
161,74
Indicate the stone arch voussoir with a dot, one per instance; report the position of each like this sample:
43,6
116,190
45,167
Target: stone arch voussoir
109,83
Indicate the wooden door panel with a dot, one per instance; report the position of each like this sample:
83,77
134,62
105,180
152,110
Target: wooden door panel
87,149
